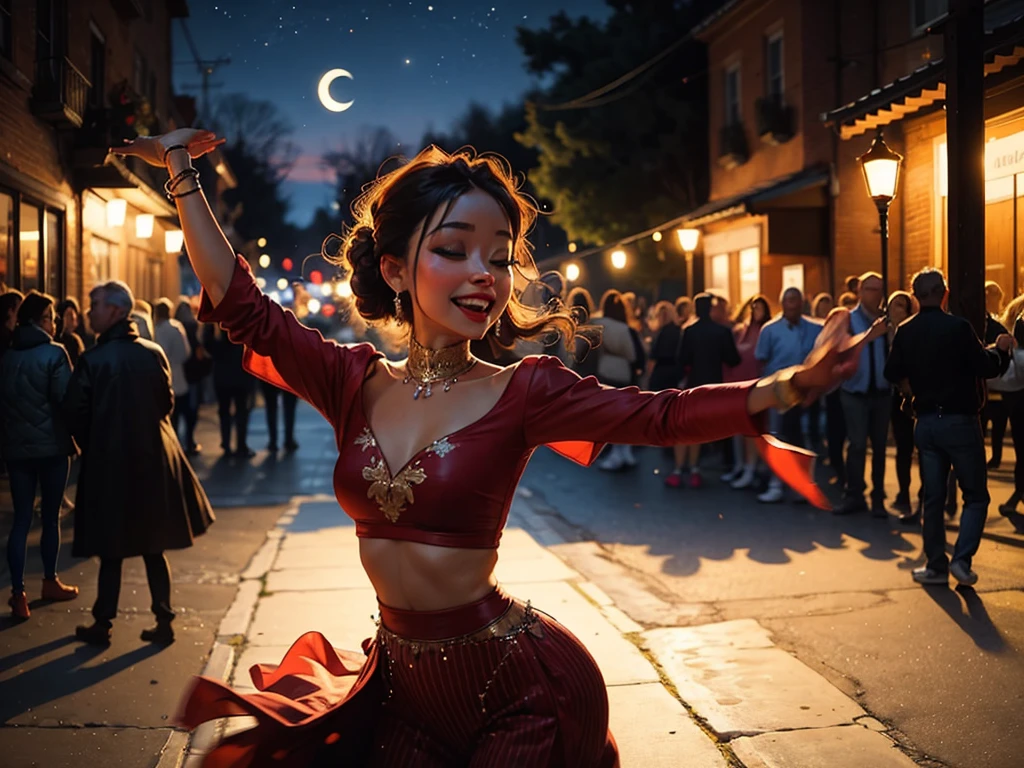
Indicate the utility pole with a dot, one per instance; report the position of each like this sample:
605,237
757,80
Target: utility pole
965,150
206,69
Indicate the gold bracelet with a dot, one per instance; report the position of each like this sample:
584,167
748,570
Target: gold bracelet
784,390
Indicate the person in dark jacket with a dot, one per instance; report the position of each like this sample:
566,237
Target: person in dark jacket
137,494
198,366
234,386
10,300
67,325
706,348
34,376
938,359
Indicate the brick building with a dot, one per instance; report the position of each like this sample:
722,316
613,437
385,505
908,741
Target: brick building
78,76
909,105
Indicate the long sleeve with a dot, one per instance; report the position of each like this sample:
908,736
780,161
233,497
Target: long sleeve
60,377
563,408
282,351
895,368
987,362
77,402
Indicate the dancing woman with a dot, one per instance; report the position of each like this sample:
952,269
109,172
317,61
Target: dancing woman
430,451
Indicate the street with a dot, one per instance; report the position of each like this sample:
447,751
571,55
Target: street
943,667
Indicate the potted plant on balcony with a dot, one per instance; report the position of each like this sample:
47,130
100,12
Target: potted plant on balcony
774,120
732,146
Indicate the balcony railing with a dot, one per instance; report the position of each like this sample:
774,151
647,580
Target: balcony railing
61,93
732,146
775,123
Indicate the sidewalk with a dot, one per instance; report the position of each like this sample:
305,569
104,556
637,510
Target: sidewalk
744,702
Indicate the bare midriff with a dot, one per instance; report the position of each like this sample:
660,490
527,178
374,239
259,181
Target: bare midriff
424,577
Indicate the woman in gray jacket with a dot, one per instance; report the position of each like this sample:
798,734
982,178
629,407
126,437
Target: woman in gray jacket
37,446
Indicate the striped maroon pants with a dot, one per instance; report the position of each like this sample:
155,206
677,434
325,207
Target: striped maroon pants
533,697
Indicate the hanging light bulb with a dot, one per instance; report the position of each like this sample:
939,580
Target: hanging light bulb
144,226
116,211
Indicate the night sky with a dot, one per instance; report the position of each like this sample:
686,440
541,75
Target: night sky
416,65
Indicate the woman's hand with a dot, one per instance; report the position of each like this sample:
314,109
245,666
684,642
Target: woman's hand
153,149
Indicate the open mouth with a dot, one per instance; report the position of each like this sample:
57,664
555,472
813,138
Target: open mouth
474,308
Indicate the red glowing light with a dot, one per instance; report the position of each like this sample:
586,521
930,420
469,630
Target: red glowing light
327,310
287,264
316,277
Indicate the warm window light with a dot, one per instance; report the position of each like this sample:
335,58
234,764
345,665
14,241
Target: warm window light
343,290
688,239
30,236
282,283
313,306
144,226
265,260
881,168
116,211
262,242
572,247
656,237
174,239
572,272
619,259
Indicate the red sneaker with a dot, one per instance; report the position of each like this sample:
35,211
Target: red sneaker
19,605
696,481
674,480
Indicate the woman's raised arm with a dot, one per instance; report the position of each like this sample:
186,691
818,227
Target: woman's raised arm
212,256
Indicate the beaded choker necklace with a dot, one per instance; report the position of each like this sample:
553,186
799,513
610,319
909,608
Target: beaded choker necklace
426,367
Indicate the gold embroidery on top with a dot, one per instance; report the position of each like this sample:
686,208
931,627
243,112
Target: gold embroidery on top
441,447
392,493
366,439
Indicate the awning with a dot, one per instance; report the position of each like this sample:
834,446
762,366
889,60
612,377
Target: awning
924,87
758,198
114,174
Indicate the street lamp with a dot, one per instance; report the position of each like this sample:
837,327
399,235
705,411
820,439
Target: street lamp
881,168
688,239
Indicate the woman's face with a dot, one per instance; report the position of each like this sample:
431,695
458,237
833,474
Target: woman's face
464,272
759,312
70,319
898,311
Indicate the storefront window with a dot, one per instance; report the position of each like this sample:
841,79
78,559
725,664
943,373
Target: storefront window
750,273
719,282
6,240
55,254
104,259
30,238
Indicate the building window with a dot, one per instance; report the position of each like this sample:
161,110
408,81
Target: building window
51,39
6,43
924,12
774,83
30,242
97,68
6,241
733,110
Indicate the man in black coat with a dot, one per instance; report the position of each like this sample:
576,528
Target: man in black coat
938,358
137,494
707,345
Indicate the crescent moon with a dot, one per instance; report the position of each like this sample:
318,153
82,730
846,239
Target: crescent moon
324,90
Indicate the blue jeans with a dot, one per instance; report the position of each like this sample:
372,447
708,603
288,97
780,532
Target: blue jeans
867,418
51,475
952,440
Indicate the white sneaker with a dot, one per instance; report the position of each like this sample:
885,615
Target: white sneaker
744,480
773,495
732,474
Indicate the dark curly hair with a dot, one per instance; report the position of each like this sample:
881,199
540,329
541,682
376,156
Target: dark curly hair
396,207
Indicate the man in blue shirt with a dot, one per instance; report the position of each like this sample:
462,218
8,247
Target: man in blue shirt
784,341
866,398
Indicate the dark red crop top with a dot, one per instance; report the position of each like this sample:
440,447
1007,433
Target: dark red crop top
456,492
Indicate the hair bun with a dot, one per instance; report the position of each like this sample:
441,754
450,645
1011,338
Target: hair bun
371,291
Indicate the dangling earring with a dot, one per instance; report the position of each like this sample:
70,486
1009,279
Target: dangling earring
497,327
399,313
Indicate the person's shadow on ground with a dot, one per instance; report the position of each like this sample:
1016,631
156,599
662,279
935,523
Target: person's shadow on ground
966,608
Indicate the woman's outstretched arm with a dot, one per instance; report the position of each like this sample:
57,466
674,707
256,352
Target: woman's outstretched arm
212,256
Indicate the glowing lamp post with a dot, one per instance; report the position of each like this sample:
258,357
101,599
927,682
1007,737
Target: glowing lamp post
688,239
881,168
